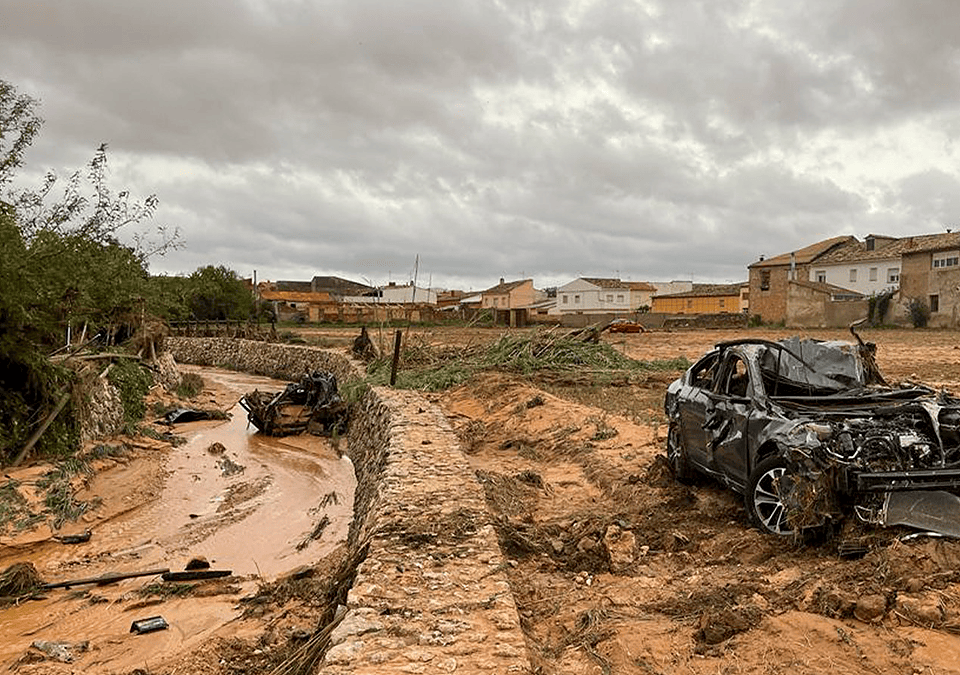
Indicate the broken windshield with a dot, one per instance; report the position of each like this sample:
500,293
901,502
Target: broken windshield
806,367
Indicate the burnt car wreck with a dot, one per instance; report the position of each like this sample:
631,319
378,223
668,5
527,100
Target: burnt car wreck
811,434
313,404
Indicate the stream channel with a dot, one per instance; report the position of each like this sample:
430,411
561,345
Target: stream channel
254,508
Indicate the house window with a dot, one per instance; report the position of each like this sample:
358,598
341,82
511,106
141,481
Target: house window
946,259
566,298
576,299
853,275
496,302
689,304
821,276
609,297
721,302
620,297
934,304
765,280
873,274
893,275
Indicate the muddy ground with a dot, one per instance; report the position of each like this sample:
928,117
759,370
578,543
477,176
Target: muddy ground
615,567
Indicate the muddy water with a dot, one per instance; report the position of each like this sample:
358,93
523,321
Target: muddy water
261,507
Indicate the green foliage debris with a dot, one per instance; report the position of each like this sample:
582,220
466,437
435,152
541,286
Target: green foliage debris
429,368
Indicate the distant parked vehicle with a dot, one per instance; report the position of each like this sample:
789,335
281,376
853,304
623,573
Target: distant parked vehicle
625,326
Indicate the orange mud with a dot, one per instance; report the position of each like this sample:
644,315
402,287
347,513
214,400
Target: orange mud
251,508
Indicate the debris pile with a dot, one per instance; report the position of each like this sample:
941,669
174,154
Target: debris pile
313,405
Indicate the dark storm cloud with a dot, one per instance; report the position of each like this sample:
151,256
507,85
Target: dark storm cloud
654,140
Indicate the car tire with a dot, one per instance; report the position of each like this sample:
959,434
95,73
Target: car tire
677,456
762,498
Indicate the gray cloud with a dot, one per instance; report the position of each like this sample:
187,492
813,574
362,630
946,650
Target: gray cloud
653,140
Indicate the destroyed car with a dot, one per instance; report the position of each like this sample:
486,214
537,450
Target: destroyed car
810,434
313,404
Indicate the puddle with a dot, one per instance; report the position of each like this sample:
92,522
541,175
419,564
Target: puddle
253,508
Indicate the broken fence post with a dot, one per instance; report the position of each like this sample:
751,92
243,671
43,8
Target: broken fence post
396,358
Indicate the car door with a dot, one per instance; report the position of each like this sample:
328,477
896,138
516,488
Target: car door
694,399
728,411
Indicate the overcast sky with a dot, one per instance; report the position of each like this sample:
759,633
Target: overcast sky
655,140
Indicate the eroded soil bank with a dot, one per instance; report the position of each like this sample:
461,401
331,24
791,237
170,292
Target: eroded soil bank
255,505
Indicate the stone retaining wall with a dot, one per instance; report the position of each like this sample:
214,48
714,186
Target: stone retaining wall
431,595
285,362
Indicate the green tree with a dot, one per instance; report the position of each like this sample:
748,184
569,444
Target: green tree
61,263
218,293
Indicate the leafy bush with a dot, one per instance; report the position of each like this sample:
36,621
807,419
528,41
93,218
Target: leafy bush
919,313
133,381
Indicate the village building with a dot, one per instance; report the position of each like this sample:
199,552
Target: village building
869,267
641,294
396,294
770,278
509,295
704,299
510,301
299,305
594,295
930,276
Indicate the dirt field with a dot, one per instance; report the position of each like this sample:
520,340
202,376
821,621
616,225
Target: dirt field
621,570
615,567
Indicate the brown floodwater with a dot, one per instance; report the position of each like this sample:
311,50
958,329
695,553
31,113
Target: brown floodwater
262,507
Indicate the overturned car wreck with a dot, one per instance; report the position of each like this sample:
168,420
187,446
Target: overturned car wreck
313,404
810,433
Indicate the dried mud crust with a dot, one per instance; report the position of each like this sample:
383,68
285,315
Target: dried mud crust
617,568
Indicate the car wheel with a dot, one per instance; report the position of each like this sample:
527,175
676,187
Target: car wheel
677,456
763,498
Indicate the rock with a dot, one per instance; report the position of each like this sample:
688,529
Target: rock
621,545
61,651
870,607
216,449
357,622
198,563
586,544
719,625
344,653
926,611
557,546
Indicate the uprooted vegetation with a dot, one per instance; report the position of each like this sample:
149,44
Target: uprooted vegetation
548,353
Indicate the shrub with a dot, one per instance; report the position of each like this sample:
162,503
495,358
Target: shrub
919,313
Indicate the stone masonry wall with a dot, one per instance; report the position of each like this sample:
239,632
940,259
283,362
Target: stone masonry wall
286,362
431,595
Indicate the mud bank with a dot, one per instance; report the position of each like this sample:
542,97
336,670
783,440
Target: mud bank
431,594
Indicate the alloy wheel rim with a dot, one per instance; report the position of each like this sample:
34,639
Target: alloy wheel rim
768,503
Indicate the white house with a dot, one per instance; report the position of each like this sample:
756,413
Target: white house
393,294
868,267
590,295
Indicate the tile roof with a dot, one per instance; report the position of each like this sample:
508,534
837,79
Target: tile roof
856,251
604,282
505,287
806,254
931,242
640,286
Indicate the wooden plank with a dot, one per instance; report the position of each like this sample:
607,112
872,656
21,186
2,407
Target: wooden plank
106,578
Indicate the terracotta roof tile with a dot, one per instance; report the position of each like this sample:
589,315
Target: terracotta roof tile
806,254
